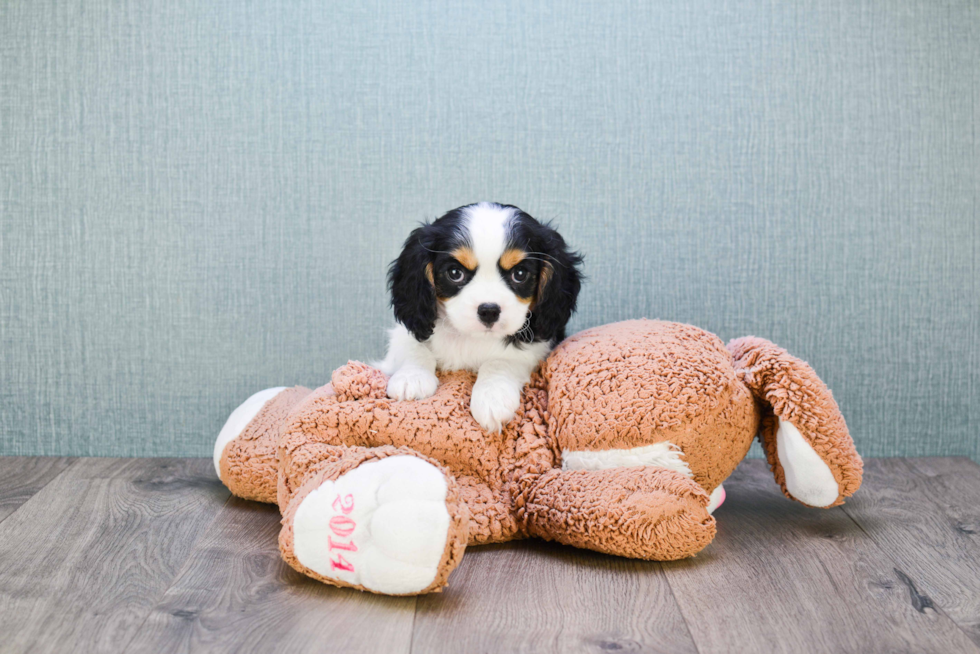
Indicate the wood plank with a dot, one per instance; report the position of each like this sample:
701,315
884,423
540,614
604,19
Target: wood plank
236,595
543,597
22,476
781,577
925,514
86,558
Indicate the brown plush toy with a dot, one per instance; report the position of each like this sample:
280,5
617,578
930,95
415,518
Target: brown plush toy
621,443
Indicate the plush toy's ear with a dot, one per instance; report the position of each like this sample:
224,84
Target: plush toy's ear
413,293
559,283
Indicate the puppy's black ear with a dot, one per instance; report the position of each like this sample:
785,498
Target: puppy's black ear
413,293
558,285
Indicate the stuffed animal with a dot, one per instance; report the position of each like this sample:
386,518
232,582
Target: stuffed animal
622,441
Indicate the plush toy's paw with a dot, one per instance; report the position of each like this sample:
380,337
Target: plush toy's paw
808,478
385,526
358,381
412,383
238,421
494,402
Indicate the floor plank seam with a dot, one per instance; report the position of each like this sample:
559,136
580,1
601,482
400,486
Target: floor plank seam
411,636
680,607
68,467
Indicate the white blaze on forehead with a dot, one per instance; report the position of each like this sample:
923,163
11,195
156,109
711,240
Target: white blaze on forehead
487,227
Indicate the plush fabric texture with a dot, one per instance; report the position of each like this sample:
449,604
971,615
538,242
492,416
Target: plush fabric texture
248,464
642,513
619,386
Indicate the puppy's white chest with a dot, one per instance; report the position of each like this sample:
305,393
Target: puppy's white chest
456,351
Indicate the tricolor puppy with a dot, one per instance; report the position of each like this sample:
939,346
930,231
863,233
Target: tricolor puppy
485,288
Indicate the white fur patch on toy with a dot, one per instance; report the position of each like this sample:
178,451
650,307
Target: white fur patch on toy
383,526
662,455
239,419
808,478
717,498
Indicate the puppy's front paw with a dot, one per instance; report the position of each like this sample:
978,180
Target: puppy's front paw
411,383
494,402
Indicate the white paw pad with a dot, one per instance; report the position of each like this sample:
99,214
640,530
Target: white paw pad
239,419
808,478
383,526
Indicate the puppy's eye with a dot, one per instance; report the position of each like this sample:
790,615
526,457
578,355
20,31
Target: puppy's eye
455,274
519,275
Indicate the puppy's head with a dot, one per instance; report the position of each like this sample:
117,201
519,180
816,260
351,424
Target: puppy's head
487,269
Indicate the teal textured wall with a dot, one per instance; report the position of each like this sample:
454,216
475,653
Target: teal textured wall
199,199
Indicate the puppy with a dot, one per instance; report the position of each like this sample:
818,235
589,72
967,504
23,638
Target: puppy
485,288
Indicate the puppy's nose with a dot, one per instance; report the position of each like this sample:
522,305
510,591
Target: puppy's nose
488,313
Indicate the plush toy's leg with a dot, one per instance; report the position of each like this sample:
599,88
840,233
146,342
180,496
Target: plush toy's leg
806,440
640,512
245,451
385,519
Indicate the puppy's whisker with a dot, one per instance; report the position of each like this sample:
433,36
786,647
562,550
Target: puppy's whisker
422,245
526,332
545,254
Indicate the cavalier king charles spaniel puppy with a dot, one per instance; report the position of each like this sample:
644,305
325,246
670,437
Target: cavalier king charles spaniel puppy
485,288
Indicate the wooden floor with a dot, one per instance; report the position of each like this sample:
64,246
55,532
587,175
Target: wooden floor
153,555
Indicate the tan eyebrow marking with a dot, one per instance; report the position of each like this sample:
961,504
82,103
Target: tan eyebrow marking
465,256
511,258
